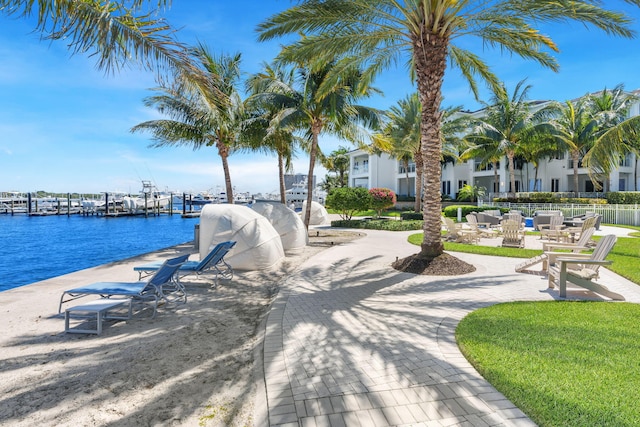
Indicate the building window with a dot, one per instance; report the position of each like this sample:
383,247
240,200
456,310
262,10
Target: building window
365,166
461,183
622,184
446,187
555,185
411,168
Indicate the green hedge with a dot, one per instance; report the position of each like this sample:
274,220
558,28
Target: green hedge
379,224
411,216
452,211
623,197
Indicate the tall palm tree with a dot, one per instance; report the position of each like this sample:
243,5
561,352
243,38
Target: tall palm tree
115,32
211,115
508,123
378,33
617,134
400,137
269,92
575,130
322,106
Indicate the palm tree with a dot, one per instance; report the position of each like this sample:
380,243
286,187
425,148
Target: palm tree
269,90
575,130
115,32
508,124
323,106
617,135
212,115
377,33
400,137
338,161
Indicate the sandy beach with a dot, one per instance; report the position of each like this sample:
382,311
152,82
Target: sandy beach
193,365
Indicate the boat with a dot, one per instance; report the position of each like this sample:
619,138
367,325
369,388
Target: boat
297,195
149,199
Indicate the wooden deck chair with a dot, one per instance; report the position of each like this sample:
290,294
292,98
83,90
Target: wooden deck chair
485,231
554,230
549,247
576,232
512,234
585,269
455,232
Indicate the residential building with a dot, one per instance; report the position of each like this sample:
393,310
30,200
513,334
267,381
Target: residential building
554,175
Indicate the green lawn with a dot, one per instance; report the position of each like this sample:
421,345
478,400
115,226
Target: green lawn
563,363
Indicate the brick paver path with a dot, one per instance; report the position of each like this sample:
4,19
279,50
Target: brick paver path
352,342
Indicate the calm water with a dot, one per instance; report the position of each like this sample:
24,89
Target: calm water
40,247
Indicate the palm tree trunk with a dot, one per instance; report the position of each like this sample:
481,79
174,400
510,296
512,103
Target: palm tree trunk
315,131
575,157
223,151
430,54
535,179
417,156
512,175
283,198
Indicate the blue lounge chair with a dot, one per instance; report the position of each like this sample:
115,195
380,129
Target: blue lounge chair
213,263
160,286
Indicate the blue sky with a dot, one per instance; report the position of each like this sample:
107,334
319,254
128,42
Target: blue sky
64,125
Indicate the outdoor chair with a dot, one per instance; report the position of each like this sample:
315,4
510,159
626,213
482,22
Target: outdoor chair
456,233
512,234
213,263
554,230
549,247
582,269
162,286
474,225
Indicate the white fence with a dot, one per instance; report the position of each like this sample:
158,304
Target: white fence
611,214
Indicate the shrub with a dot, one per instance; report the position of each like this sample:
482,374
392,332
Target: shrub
407,216
379,224
348,200
381,199
623,197
452,211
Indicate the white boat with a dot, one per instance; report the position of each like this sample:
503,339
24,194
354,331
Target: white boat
297,195
149,199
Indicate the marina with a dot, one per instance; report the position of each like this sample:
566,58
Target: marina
36,248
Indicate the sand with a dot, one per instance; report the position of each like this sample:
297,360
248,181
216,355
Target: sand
196,364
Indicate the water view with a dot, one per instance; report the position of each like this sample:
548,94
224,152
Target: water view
36,248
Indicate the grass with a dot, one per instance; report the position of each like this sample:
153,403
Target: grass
562,363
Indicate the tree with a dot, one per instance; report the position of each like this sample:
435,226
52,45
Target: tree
325,106
617,134
381,199
115,32
210,115
575,130
400,138
508,124
377,33
265,105
471,193
338,162
349,200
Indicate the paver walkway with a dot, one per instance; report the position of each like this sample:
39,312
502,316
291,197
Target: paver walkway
352,342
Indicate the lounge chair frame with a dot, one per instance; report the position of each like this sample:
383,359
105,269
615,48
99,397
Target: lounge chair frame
163,285
214,263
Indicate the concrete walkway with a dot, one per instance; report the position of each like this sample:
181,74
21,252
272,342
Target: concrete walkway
352,342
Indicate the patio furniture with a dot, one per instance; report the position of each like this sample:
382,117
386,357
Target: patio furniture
512,234
582,269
